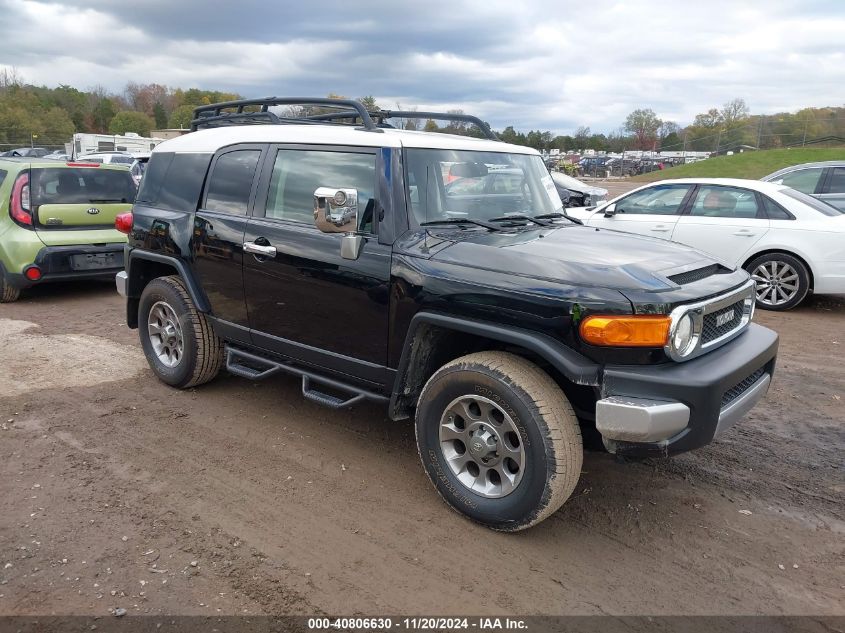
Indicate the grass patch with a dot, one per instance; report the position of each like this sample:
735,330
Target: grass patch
752,165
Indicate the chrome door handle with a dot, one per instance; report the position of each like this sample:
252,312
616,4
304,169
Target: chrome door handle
258,249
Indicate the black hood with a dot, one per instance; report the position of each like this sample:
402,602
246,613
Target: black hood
595,257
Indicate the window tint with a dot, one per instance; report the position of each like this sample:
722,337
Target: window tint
81,185
804,180
836,184
231,182
724,202
298,173
775,211
659,200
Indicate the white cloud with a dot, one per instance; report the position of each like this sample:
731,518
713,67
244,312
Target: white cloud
531,64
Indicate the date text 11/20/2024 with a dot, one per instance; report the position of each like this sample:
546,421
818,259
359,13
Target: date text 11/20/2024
417,624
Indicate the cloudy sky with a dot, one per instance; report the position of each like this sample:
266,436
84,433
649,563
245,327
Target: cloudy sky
530,63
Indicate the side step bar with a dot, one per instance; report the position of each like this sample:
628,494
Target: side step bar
259,368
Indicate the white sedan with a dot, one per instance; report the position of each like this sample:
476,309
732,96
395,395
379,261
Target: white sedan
791,243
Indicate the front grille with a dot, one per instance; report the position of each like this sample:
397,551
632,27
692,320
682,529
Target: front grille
694,275
713,329
738,389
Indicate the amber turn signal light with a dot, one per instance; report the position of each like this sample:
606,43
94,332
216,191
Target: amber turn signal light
626,331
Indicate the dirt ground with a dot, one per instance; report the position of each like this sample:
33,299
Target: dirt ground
241,497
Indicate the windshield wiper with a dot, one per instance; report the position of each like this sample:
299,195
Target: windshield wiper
535,220
482,223
552,216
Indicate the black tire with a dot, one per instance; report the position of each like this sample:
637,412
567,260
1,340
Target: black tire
202,351
547,430
8,293
764,264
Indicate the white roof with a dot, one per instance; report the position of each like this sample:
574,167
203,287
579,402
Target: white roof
210,140
757,185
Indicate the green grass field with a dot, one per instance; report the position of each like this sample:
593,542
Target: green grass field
753,165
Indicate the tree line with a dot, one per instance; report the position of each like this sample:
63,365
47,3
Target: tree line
50,116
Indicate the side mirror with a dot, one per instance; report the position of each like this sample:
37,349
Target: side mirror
610,210
336,210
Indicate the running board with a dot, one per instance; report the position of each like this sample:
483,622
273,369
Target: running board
259,368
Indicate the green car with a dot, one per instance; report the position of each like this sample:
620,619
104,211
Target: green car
57,221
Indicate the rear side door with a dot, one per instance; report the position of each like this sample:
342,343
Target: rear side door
305,300
833,187
218,233
723,221
652,211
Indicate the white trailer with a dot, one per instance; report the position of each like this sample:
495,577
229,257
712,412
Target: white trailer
130,143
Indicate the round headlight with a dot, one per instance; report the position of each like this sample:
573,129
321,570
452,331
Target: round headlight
340,198
683,335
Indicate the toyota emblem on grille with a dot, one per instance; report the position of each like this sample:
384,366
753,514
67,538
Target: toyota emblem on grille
724,318
93,211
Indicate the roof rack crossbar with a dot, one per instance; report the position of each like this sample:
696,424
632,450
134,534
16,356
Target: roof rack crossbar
381,115
215,111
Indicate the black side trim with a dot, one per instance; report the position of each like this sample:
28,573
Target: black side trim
194,289
568,362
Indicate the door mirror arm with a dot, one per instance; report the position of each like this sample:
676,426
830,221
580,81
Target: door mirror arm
610,210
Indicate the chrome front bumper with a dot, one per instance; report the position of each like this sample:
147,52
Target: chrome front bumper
121,280
626,419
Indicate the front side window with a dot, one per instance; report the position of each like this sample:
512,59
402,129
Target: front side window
724,202
458,184
804,180
658,200
230,183
298,173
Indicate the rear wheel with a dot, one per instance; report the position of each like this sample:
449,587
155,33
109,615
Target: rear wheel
499,440
8,293
178,341
782,280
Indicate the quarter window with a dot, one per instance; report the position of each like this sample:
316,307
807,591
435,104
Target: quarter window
231,182
658,200
804,180
298,173
725,202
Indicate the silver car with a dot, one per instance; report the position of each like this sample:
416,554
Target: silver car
825,181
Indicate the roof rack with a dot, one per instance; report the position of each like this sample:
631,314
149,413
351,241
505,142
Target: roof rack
215,115
381,115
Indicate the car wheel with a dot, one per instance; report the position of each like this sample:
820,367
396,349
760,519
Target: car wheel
498,439
178,341
782,280
8,293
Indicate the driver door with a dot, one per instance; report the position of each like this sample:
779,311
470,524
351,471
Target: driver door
653,211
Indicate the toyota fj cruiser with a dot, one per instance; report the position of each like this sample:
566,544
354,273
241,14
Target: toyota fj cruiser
330,245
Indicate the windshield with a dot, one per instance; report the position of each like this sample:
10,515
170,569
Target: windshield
819,205
456,184
62,185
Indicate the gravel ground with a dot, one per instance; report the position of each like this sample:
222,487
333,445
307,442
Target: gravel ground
239,497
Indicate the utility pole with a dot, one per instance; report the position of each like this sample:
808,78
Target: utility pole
760,131
686,132
718,140
804,141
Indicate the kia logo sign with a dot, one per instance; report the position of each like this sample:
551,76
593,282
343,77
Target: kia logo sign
93,211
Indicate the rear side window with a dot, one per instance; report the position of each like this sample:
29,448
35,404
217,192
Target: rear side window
81,185
836,184
174,181
724,202
775,211
804,180
230,183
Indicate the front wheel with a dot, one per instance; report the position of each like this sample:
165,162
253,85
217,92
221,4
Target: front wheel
782,280
499,440
177,339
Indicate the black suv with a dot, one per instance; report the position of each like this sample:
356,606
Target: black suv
310,237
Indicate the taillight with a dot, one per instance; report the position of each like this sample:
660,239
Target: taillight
19,207
123,222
